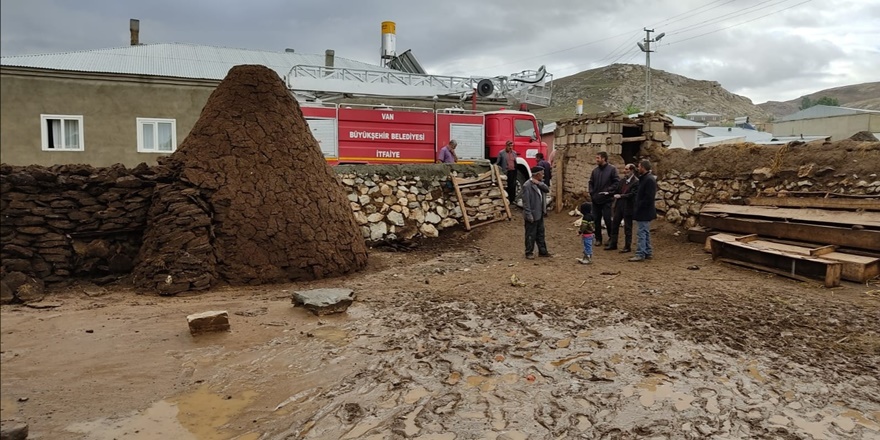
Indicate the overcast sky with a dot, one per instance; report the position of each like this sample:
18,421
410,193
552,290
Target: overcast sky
762,49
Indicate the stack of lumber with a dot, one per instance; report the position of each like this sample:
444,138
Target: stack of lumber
481,199
804,238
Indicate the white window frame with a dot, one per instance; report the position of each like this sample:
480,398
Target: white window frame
141,148
44,131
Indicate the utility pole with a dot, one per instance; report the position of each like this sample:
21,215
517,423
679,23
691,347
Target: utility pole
646,48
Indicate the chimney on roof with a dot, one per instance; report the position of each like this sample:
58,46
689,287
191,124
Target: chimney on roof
134,25
329,56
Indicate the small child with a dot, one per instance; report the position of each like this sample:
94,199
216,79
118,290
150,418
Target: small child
586,232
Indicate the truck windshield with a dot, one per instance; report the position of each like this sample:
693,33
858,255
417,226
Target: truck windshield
524,127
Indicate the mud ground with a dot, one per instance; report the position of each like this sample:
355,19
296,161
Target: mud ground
441,345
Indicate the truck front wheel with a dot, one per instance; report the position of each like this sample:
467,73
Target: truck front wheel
521,178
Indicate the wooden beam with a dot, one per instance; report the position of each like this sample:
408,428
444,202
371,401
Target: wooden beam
856,268
633,139
846,237
867,219
779,262
747,238
822,250
497,173
817,202
461,205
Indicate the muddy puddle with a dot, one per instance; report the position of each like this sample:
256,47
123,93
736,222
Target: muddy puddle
433,369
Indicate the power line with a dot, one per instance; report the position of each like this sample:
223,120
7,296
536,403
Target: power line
721,18
738,24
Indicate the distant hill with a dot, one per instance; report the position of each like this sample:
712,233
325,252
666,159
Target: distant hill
615,87
864,96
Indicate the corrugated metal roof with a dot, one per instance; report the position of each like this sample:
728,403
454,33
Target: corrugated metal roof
179,60
676,121
701,114
721,140
823,111
750,135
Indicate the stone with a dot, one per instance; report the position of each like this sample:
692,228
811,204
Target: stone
673,216
762,174
33,290
385,190
396,218
417,214
324,301
13,430
378,230
361,218
7,295
448,222
432,218
364,199
428,230
375,218
207,322
442,212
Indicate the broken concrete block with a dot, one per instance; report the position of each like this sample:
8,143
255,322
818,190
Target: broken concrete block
211,321
324,301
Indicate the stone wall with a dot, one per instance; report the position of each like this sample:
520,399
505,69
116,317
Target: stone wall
681,195
392,202
76,221
688,179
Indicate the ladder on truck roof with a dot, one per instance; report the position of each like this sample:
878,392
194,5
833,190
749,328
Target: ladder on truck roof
533,87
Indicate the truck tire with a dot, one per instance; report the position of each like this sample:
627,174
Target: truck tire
521,178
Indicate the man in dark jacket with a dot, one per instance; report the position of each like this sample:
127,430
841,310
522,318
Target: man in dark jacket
603,182
644,211
623,209
534,200
548,169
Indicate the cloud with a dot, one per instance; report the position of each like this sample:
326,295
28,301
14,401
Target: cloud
757,47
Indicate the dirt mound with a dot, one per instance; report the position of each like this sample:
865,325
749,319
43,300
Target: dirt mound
248,198
845,157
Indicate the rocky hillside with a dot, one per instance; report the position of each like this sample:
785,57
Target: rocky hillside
615,87
865,96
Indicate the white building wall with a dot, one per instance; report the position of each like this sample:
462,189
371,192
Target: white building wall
684,138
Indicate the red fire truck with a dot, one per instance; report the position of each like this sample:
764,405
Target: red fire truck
360,134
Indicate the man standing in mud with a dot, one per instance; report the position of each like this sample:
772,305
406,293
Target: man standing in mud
603,182
534,201
624,199
644,211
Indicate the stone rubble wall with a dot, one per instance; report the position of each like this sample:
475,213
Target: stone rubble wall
400,202
76,221
681,195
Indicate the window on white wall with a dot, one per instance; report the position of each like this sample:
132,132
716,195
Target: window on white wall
61,132
156,135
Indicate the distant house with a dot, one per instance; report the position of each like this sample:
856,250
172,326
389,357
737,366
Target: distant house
824,121
123,105
682,132
548,136
703,117
708,135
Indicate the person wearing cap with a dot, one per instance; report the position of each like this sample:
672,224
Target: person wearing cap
507,162
447,153
534,200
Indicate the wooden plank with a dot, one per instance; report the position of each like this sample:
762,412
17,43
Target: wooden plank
489,221
854,238
461,205
778,261
822,250
699,234
852,267
633,139
868,219
497,171
817,202
747,238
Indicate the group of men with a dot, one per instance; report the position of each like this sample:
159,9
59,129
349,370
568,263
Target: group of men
615,201
632,200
